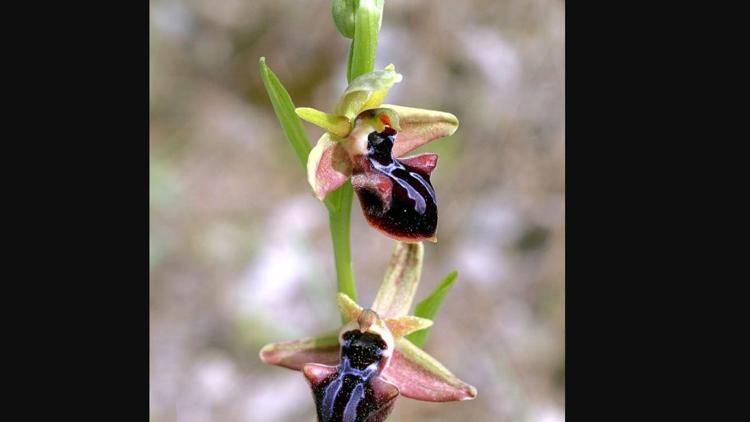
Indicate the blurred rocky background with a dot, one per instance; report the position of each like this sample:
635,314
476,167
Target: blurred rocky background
240,254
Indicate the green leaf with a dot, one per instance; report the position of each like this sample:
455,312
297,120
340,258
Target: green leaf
367,24
284,109
428,308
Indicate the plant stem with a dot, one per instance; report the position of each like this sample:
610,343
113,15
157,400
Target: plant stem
361,60
340,220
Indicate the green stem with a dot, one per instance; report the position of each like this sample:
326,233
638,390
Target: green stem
361,60
340,219
365,42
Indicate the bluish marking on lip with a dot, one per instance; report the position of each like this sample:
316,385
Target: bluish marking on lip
347,395
380,155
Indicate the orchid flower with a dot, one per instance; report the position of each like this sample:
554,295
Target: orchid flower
357,374
365,141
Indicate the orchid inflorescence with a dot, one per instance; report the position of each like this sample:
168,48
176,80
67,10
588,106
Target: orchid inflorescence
357,372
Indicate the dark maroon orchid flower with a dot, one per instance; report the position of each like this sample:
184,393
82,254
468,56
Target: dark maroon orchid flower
357,374
366,141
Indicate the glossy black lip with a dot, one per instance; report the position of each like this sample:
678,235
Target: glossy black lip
410,211
348,394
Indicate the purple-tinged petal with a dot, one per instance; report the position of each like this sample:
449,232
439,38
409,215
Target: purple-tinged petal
425,163
386,394
401,281
295,354
317,373
328,166
397,199
419,376
420,126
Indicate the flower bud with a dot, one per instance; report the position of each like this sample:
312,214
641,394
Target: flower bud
343,12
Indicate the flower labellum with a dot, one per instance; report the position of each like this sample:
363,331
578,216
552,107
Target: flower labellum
365,141
353,391
396,195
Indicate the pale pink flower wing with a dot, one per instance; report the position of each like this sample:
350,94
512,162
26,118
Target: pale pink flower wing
295,354
419,376
420,126
328,166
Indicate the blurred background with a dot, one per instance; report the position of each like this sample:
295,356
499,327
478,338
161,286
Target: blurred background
240,253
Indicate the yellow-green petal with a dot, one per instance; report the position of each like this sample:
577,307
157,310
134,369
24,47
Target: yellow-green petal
348,307
367,91
407,324
337,125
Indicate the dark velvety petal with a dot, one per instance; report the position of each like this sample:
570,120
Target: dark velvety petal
352,390
397,196
347,397
385,397
376,184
